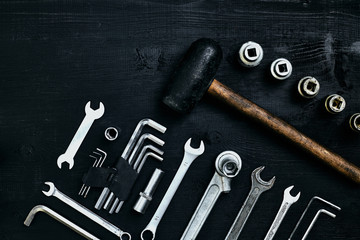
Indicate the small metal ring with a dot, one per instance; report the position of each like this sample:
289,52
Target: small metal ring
355,122
111,133
228,164
308,87
335,103
281,69
250,54
126,234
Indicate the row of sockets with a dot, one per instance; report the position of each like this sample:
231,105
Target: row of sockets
251,54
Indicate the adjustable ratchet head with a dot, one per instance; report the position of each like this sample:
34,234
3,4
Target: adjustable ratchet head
194,151
228,164
256,179
97,113
51,190
288,197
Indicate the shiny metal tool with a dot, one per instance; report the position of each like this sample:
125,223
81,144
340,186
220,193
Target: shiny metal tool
281,69
146,196
190,154
99,161
228,165
306,209
111,133
250,54
335,103
308,87
53,191
314,220
104,196
59,218
90,117
288,200
354,122
258,186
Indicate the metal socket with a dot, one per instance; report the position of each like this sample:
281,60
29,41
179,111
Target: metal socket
146,196
355,122
281,69
308,87
111,133
250,54
335,103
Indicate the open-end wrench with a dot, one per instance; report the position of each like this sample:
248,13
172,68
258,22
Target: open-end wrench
59,218
228,165
258,186
90,117
53,191
190,154
288,200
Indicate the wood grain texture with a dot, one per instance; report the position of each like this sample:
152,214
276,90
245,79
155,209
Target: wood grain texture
57,55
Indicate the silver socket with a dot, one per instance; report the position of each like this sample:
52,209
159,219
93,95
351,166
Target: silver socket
111,133
355,122
335,103
145,197
250,54
308,87
281,69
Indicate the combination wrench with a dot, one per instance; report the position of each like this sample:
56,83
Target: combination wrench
288,200
90,117
228,165
190,154
53,191
258,186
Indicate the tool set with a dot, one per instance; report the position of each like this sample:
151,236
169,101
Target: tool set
193,78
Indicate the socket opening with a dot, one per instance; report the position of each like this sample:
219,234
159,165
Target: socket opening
111,133
252,52
311,86
337,103
283,68
230,168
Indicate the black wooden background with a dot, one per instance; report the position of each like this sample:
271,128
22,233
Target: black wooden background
57,55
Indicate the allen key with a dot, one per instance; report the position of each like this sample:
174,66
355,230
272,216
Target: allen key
127,151
314,220
307,207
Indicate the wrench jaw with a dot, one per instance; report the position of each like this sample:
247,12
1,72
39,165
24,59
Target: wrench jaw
257,180
288,197
64,158
194,151
51,190
95,113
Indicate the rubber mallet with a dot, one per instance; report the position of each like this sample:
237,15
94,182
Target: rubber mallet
194,76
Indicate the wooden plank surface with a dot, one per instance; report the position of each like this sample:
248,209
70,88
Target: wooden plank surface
57,55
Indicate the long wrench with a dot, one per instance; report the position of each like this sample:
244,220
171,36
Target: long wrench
288,200
90,117
228,165
59,218
258,186
190,155
53,191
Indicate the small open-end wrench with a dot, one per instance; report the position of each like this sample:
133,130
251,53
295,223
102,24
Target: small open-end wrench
288,200
90,117
190,154
258,186
53,191
228,165
59,218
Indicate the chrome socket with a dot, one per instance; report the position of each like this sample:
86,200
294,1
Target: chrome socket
145,197
281,69
355,122
250,54
335,103
308,87
111,133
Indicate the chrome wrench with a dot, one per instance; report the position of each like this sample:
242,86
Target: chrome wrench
258,186
53,191
228,165
90,117
288,200
59,218
190,154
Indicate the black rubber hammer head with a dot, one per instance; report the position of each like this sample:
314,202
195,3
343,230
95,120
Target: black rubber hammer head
193,76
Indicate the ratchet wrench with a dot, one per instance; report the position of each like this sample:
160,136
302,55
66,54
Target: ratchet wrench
228,165
190,154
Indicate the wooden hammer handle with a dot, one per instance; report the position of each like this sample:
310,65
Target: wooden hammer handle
259,114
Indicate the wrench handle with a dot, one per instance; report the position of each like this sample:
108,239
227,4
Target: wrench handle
278,219
204,208
243,214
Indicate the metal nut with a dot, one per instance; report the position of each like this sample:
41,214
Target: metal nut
335,103
308,87
355,122
250,54
111,133
281,69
